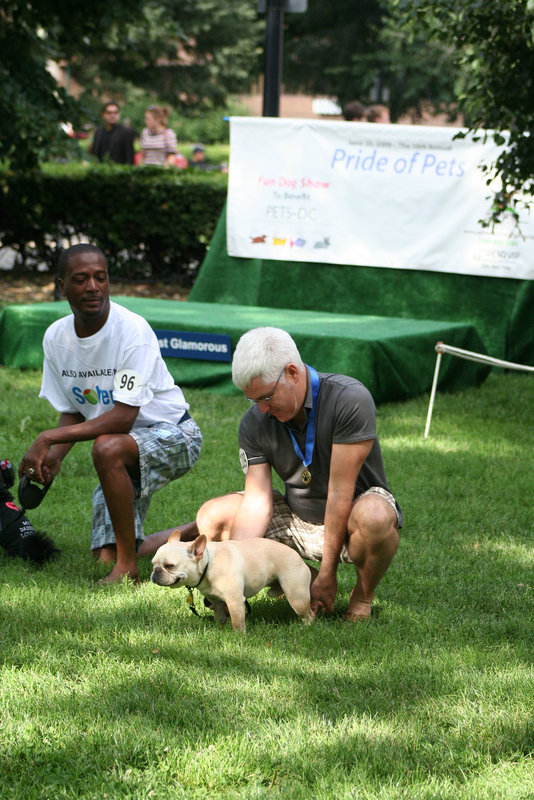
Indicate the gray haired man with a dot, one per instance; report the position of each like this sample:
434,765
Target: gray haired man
318,432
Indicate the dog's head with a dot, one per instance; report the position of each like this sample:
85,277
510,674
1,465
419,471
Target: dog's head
7,474
178,563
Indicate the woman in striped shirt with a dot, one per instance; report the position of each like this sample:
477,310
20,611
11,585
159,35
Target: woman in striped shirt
158,142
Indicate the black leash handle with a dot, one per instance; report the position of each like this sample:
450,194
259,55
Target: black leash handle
191,602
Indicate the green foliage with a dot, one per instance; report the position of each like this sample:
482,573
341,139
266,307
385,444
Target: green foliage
124,694
419,72
210,127
354,50
32,107
150,222
332,49
493,46
192,55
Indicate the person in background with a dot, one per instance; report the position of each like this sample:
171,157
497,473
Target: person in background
158,141
112,140
378,113
181,161
354,111
198,161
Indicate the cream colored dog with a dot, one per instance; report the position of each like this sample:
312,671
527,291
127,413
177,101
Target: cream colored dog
229,572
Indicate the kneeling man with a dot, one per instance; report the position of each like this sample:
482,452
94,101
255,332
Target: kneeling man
104,373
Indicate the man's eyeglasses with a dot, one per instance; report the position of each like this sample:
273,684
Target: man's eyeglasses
269,397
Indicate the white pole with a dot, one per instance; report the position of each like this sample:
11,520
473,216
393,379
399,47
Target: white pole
469,356
433,392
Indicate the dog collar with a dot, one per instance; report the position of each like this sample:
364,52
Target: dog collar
203,573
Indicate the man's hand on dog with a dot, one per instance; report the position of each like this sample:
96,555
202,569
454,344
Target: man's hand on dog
323,593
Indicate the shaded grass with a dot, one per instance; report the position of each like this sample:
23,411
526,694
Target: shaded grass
123,693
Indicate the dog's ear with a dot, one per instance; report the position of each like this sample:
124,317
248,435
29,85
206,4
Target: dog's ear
198,546
175,536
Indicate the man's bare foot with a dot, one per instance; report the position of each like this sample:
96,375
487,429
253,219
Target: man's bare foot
117,576
106,554
358,611
188,532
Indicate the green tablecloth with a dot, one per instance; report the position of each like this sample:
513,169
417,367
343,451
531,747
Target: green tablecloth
393,357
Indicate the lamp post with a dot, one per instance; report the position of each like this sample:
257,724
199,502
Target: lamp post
272,81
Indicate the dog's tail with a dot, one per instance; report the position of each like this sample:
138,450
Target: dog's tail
38,547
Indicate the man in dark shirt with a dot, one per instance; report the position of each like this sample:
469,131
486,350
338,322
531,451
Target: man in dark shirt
112,140
318,432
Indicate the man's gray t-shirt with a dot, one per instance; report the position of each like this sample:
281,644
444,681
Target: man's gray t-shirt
345,414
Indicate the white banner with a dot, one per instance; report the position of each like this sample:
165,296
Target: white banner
365,194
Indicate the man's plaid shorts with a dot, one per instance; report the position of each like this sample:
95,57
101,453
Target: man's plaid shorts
166,452
306,537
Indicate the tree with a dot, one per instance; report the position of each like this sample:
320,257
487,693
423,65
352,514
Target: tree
494,51
333,48
32,106
421,74
352,49
192,53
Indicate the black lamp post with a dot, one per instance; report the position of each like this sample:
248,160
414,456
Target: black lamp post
274,10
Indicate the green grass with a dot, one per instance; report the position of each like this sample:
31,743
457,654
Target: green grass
123,693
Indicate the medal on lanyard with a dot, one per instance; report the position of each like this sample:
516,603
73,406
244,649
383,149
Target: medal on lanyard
310,431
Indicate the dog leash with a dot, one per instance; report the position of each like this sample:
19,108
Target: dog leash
190,600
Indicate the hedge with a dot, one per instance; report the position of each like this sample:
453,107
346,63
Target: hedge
152,223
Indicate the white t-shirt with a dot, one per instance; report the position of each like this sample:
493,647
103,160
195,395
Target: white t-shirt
122,362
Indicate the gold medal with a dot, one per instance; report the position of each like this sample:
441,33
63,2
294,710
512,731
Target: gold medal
306,476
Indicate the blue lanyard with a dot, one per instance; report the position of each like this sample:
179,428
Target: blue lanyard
310,427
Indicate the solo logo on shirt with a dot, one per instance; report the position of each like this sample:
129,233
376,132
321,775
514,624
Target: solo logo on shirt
93,395
127,382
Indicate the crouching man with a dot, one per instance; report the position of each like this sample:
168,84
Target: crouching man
318,432
104,373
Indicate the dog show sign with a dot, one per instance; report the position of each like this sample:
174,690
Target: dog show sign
405,196
188,344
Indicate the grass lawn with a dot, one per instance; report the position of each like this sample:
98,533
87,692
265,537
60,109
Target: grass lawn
123,693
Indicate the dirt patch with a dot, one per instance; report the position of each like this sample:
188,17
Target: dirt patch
39,288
